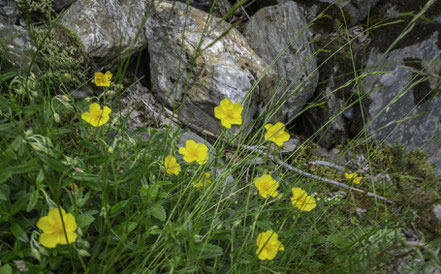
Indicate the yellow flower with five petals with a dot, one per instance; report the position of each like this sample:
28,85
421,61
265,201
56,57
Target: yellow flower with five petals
229,113
103,80
171,166
276,133
194,152
301,200
53,231
266,186
268,245
96,116
353,177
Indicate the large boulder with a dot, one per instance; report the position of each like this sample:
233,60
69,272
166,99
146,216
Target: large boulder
281,30
18,44
196,63
108,28
405,96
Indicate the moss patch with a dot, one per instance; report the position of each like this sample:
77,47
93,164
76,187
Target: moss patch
61,58
38,8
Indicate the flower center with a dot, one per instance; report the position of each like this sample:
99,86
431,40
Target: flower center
301,199
57,227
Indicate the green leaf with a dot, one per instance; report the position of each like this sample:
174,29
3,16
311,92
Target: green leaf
4,193
19,205
40,177
118,208
158,212
126,227
85,220
92,181
6,269
4,176
209,251
32,200
23,168
93,185
19,233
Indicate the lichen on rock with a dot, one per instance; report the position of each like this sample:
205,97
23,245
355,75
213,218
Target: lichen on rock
61,56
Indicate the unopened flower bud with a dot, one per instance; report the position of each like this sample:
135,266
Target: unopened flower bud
56,117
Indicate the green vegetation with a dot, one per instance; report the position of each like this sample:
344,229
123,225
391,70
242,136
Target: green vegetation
61,58
136,215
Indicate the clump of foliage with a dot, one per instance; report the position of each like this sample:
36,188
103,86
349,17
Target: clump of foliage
43,7
61,57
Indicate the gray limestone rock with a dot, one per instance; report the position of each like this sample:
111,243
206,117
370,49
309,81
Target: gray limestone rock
281,29
405,104
9,11
17,43
437,211
191,73
204,5
61,4
108,28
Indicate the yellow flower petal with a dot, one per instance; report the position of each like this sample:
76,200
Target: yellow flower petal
72,236
308,204
54,214
108,75
45,224
70,223
49,240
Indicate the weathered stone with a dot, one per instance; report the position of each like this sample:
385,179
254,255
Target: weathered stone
278,30
405,105
108,28
204,5
326,120
437,211
9,11
356,10
17,43
191,73
61,4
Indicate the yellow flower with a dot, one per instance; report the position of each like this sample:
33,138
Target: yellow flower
171,166
229,113
276,133
206,178
268,245
52,227
103,80
301,200
194,152
95,116
266,186
353,177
